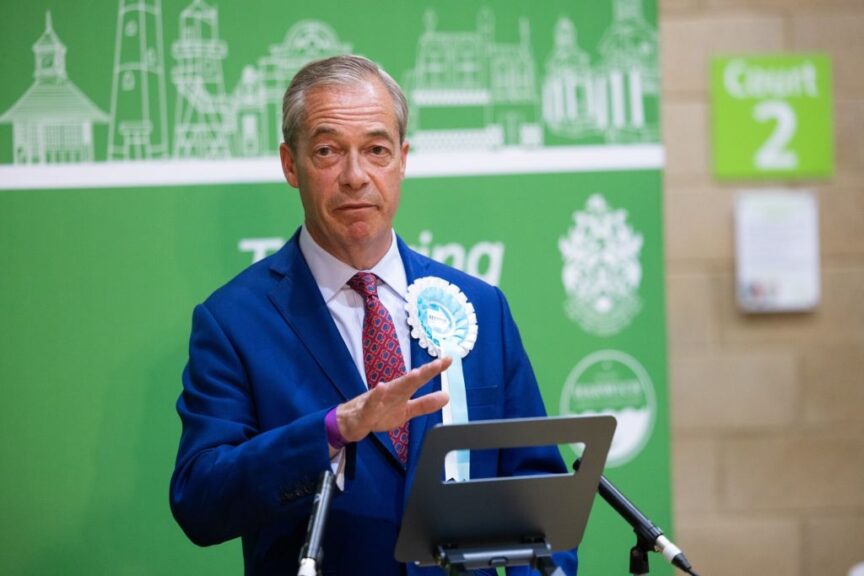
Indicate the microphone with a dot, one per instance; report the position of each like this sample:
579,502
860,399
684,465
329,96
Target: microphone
311,553
646,531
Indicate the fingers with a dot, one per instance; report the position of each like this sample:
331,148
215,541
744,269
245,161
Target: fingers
416,378
390,404
427,404
408,384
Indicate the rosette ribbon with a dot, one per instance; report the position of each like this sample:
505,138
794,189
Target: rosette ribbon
445,324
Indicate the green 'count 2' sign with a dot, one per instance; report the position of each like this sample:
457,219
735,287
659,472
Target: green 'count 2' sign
772,117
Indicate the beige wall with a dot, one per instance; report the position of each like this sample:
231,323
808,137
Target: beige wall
767,411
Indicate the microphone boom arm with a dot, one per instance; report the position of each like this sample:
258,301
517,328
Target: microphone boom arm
649,537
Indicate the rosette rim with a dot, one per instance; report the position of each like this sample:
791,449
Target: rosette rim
439,311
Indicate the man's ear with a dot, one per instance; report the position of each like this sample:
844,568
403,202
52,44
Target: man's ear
289,166
403,151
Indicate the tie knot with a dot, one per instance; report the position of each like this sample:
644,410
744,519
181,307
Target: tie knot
365,284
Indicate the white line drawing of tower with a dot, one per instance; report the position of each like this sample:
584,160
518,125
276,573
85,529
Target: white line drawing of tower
489,86
139,121
53,121
305,41
202,124
628,75
570,103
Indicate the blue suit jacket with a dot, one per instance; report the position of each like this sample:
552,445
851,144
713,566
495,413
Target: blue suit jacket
266,363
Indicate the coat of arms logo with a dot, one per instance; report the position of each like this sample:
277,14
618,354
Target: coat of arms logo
601,271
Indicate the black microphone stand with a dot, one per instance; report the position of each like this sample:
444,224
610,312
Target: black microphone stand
649,538
312,552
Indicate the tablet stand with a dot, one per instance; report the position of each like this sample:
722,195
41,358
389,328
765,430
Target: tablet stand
499,522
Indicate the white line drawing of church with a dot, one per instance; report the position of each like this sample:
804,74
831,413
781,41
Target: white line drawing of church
53,121
139,121
488,89
611,98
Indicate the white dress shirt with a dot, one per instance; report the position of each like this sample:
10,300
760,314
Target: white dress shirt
346,306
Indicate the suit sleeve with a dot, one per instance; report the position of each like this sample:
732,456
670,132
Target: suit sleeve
522,400
231,478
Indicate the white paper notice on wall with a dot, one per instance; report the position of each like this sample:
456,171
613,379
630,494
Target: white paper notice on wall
777,250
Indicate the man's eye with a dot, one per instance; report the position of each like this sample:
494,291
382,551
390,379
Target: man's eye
323,151
378,150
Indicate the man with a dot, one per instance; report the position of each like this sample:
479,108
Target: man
279,385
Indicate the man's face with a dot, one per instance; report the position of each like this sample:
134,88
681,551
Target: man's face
349,166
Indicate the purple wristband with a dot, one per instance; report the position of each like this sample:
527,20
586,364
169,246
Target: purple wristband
334,437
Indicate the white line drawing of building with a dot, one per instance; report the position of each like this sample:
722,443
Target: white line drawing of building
628,68
139,121
249,114
611,98
53,121
488,89
305,41
476,108
569,97
202,123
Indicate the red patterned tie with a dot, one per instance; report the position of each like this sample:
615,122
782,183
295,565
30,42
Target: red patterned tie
382,355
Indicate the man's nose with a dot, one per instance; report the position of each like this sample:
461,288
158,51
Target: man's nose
354,173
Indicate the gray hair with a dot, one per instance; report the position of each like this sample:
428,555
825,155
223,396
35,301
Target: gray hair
344,70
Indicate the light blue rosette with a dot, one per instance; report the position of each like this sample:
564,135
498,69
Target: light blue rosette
444,323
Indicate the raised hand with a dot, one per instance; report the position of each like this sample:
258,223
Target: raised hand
390,404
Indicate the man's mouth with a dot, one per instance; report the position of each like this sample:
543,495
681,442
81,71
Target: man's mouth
355,206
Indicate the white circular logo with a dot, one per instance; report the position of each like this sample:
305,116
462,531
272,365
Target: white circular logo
439,321
614,383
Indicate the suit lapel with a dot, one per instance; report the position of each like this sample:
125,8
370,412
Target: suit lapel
418,426
415,268
299,301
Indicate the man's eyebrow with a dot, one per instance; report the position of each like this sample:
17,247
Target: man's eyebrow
383,134
379,133
323,130
331,131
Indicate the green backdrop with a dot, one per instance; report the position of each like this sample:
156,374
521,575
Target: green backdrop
138,172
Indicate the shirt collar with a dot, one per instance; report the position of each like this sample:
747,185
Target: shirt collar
332,275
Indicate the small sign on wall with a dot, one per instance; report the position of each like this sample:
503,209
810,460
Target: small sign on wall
772,117
777,251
